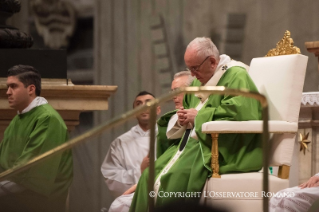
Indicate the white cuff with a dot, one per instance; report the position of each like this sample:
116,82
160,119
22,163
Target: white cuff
174,129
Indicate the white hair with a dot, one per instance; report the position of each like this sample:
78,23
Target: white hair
185,73
204,47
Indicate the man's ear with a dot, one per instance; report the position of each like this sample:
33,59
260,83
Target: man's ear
158,110
31,89
213,62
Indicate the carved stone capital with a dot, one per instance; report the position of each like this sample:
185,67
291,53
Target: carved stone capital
54,21
310,99
309,111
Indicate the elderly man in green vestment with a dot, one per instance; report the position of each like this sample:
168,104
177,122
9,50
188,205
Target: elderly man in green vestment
182,170
36,129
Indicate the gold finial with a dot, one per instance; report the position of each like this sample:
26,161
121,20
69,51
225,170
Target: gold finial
284,46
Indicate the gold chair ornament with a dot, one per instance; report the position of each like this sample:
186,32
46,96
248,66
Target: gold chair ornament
284,47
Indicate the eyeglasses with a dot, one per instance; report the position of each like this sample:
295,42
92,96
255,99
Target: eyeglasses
172,90
195,69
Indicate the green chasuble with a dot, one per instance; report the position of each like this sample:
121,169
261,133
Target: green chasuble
163,144
237,152
29,135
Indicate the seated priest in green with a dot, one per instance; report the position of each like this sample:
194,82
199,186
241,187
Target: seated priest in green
36,129
185,165
181,79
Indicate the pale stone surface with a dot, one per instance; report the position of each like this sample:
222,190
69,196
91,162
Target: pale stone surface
69,100
309,122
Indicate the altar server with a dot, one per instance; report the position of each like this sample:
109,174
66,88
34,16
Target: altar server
128,156
36,129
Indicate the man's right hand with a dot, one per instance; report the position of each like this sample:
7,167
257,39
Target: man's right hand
312,182
145,163
130,190
186,116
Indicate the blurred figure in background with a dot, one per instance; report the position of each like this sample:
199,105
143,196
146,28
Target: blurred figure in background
127,157
181,79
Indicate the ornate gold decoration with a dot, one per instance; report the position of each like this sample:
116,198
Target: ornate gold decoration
215,162
284,46
304,142
283,172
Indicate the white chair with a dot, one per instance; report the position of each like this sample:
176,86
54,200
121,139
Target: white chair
281,80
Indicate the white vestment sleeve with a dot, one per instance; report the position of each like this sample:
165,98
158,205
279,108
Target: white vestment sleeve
293,198
122,203
174,129
194,135
117,178
198,107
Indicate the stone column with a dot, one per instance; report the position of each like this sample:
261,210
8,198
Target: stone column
309,123
313,47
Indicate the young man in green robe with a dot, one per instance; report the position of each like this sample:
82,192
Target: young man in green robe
185,166
36,129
